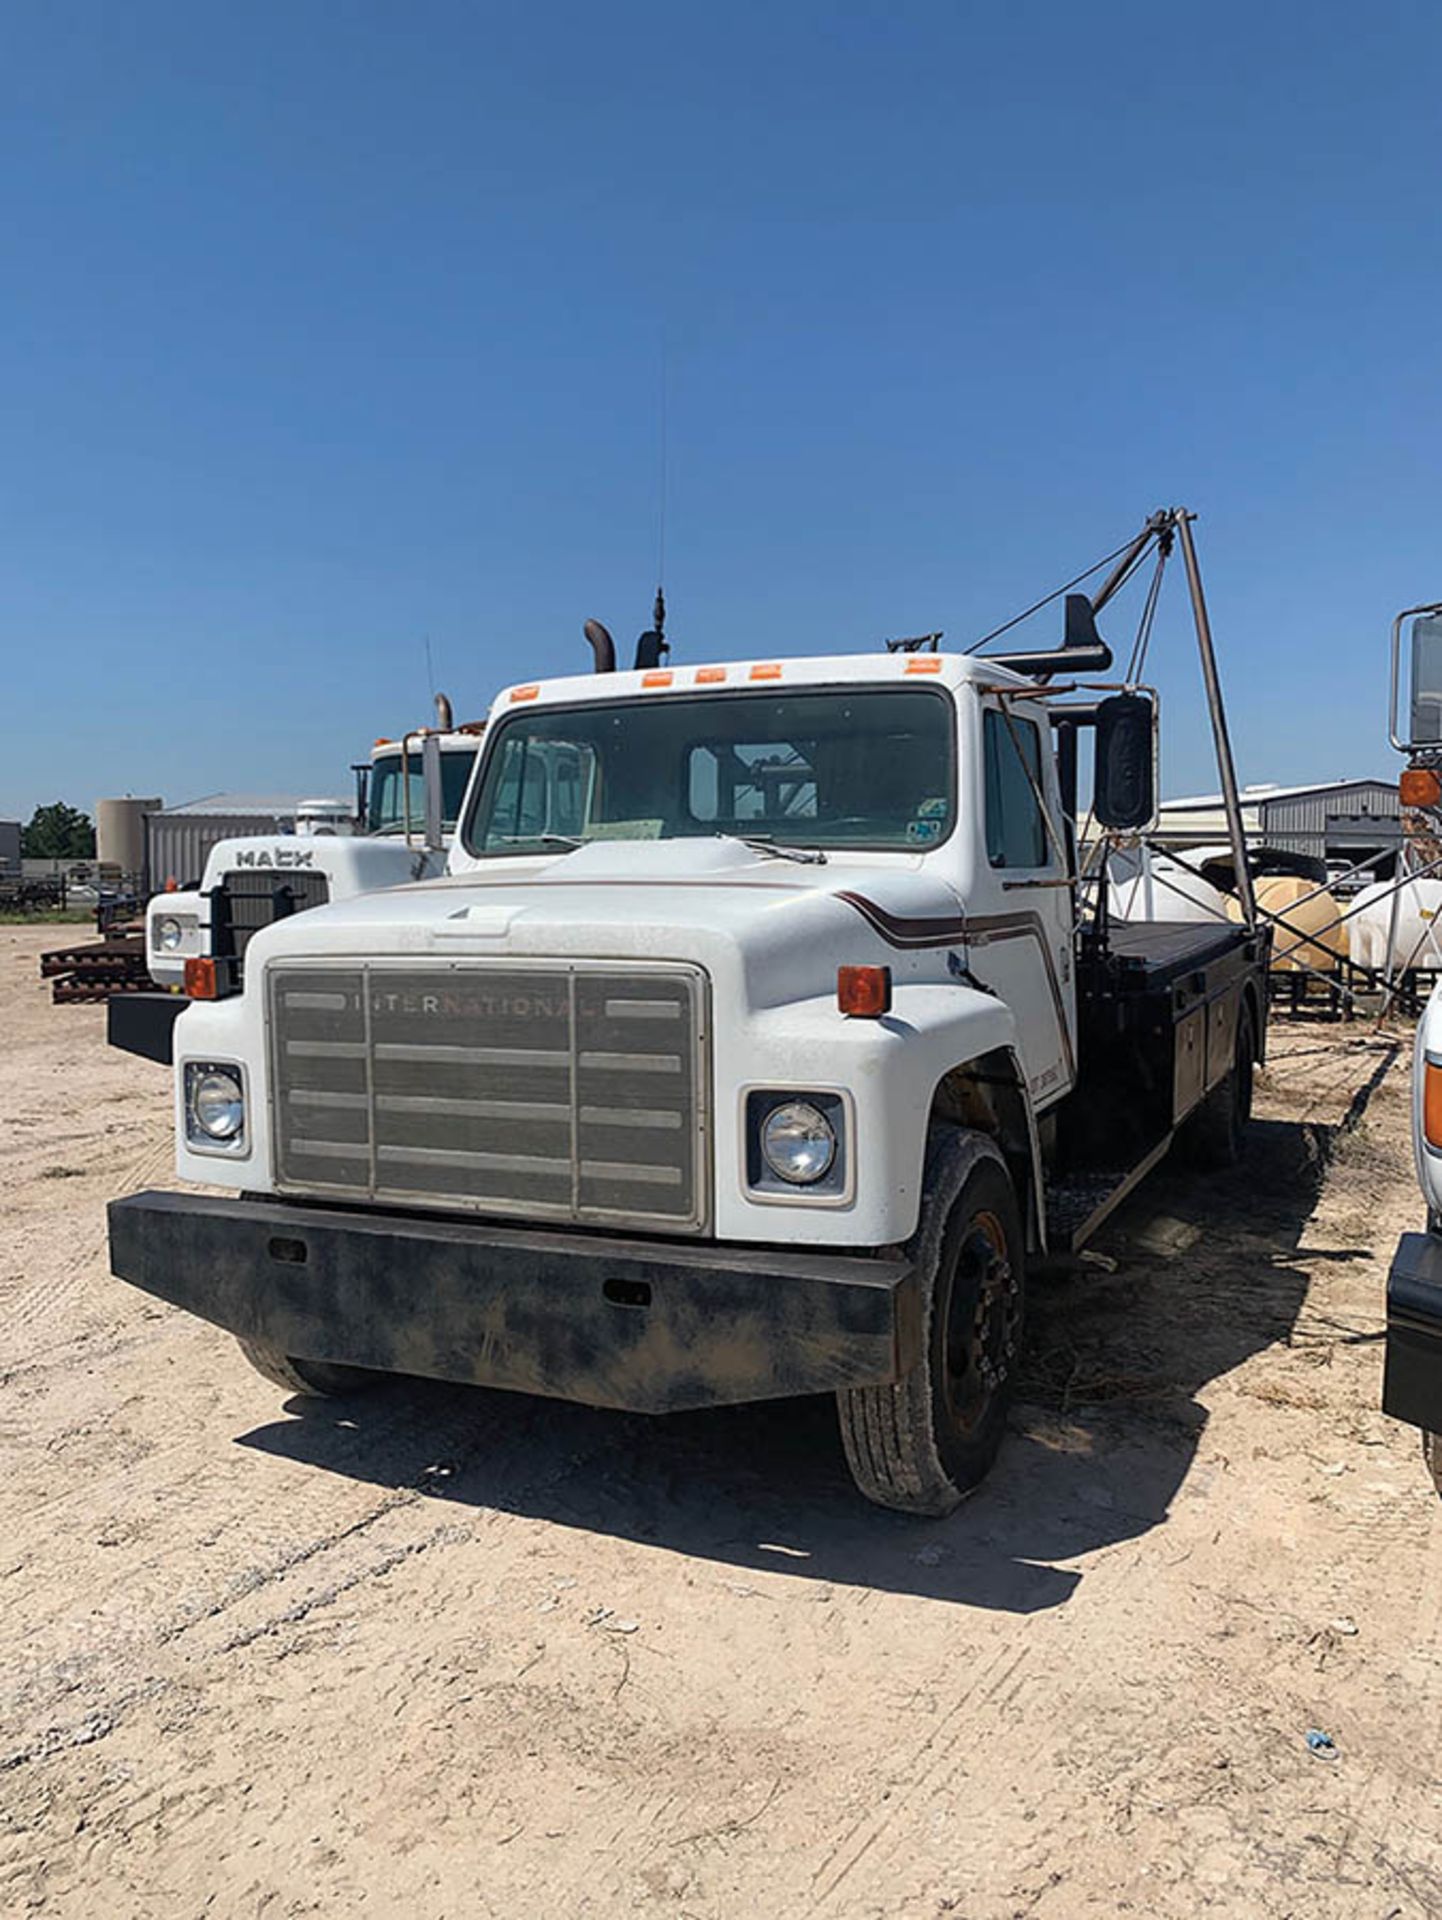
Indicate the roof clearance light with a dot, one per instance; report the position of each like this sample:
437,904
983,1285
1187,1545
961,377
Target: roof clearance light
1420,787
524,693
663,678
863,993
1432,1105
200,981
768,670
923,663
710,676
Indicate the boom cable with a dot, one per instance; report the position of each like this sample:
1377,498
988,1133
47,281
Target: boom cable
1046,601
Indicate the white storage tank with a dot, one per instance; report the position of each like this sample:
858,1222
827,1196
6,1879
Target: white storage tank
120,833
1417,938
1143,885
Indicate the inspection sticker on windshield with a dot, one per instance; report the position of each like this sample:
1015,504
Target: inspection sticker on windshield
623,830
922,832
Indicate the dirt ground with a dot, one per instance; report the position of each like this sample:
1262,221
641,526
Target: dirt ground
442,1652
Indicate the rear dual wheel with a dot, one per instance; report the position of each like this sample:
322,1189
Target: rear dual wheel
1216,1132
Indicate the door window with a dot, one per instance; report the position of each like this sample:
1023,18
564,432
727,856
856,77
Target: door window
1015,828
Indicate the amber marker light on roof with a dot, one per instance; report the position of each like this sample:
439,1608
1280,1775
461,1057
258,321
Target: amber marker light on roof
768,670
923,663
1420,787
200,978
662,678
524,693
863,993
710,676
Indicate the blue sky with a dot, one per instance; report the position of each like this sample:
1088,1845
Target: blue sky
326,327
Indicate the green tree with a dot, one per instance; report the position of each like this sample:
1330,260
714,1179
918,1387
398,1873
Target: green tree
58,832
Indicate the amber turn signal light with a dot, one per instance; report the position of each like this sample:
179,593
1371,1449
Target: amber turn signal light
1432,1106
864,993
1420,787
200,981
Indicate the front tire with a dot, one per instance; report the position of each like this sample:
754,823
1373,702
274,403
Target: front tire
921,1445
317,1379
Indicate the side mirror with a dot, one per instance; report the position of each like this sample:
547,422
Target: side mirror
1427,680
435,803
1124,791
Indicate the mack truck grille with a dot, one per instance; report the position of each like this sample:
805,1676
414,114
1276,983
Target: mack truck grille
244,902
570,1092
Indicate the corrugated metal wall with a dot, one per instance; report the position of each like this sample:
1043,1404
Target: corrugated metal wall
1334,820
177,843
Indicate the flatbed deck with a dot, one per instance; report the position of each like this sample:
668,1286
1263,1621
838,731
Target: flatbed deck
1163,949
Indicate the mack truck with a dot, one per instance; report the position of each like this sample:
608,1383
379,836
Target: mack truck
408,799
757,1042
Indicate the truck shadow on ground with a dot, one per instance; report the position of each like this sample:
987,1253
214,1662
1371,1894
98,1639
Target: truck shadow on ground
1209,1271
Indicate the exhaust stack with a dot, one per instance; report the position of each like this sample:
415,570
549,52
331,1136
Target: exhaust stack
602,646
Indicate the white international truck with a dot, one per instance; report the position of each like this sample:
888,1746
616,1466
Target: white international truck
753,1044
408,801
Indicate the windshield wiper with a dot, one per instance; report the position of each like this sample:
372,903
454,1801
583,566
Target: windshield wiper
762,843
566,840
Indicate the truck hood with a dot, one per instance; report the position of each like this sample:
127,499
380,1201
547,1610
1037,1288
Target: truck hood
716,902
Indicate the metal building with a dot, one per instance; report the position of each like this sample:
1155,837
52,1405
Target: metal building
177,839
1339,821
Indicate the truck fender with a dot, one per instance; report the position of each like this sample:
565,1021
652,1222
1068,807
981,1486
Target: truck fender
988,1094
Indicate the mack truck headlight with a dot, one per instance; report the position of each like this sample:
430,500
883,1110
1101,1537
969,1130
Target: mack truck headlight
214,1105
171,930
798,1143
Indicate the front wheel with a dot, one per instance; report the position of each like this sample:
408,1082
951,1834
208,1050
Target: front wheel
319,1379
922,1444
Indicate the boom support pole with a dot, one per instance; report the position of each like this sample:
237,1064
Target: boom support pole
1231,801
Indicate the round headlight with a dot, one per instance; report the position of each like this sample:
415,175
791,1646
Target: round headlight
799,1142
168,933
218,1104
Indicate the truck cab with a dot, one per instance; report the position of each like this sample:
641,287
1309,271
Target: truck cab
334,853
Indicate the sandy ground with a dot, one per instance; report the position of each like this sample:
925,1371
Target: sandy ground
441,1652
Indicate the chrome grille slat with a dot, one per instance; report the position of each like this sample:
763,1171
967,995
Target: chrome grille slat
570,1091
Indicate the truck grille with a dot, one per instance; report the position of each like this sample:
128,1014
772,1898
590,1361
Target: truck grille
572,1092
244,902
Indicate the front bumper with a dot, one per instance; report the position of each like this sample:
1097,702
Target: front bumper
1412,1377
652,1326
144,1023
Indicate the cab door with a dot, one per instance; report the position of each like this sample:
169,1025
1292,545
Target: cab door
1019,915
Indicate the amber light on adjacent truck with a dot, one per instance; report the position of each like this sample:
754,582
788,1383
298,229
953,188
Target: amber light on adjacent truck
1432,1105
863,993
200,978
1420,787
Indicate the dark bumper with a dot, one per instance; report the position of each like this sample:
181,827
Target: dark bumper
648,1325
143,1023
1412,1379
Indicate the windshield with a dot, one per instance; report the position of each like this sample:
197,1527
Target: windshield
867,768
385,812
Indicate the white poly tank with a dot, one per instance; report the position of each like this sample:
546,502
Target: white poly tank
1159,888
1417,941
